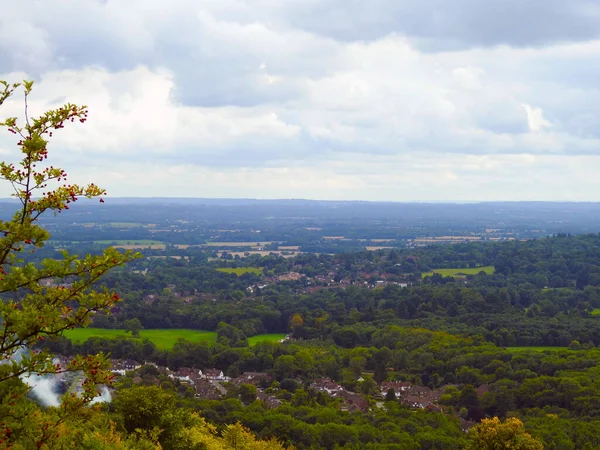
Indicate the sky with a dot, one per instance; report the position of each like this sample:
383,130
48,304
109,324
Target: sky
385,100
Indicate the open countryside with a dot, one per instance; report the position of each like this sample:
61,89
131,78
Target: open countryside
457,272
164,339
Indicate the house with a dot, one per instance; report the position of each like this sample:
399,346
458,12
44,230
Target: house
206,390
270,401
414,401
119,366
326,385
116,366
399,387
130,364
215,374
186,374
419,391
353,402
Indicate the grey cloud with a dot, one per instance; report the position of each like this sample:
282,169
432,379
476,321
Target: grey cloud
215,50
442,25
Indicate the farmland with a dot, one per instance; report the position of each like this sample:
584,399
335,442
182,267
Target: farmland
164,339
241,270
460,271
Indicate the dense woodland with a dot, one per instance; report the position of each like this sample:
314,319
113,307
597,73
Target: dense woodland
460,335
543,293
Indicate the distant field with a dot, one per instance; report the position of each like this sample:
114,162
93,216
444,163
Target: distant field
237,244
378,241
596,312
164,339
141,246
265,253
125,224
241,270
128,242
453,272
535,349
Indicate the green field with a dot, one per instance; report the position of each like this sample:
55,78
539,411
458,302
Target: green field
164,339
535,349
125,224
466,271
253,340
596,312
241,270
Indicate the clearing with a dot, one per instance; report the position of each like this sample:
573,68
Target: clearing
461,271
164,339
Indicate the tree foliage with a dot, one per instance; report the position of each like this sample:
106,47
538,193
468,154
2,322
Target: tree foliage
492,434
41,300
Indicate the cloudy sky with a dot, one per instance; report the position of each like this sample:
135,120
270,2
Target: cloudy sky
403,100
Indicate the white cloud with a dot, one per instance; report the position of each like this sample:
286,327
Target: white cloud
252,99
535,120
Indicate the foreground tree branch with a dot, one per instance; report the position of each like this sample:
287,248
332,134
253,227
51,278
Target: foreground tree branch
34,312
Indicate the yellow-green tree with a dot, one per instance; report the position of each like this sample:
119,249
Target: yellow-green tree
492,434
41,300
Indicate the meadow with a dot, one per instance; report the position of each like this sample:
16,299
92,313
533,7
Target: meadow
164,339
458,271
596,312
241,270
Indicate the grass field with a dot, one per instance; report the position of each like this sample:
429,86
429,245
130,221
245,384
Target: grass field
164,339
596,312
467,271
265,338
241,270
535,349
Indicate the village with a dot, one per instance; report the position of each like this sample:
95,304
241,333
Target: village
214,384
